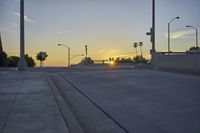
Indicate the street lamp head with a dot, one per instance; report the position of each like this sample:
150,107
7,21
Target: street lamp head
63,45
173,19
190,26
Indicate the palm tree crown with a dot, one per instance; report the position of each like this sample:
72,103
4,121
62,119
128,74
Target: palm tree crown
41,56
135,45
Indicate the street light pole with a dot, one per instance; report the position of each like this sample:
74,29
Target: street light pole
68,50
169,32
153,26
189,26
22,62
152,33
168,37
68,56
196,38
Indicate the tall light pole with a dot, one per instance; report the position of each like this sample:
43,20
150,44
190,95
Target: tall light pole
153,27
169,32
22,62
189,26
152,33
68,48
1,47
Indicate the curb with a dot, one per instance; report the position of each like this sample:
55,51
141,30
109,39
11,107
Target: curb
71,122
90,118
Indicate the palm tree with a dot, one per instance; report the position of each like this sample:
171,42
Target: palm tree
135,45
41,56
141,44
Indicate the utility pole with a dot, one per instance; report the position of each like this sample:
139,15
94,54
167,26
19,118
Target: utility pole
22,62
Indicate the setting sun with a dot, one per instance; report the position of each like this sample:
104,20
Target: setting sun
112,63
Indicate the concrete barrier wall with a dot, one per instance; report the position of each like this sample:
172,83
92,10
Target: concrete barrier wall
179,62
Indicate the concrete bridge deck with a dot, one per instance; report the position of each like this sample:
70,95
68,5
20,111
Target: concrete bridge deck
101,101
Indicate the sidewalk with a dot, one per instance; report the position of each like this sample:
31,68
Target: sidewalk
27,104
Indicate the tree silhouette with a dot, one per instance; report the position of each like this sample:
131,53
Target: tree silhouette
87,60
139,59
141,44
119,60
3,59
41,56
13,61
29,60
194,49
135,45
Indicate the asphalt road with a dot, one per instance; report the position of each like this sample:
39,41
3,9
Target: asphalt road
144,101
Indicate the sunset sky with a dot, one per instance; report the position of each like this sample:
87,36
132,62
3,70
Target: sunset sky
108,27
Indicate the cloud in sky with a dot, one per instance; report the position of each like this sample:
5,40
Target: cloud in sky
10,28
63,32
25,18
181,34
101,51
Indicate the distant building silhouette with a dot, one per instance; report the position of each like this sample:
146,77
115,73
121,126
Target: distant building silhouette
1,47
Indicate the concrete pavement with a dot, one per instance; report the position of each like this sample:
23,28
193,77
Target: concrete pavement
90,118
99,100
27,104
142,101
